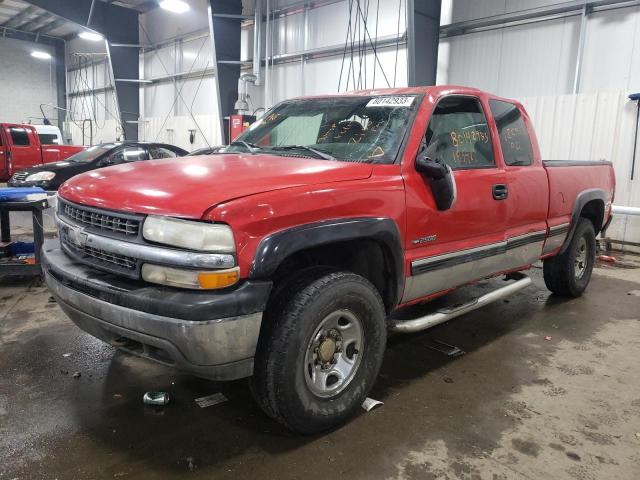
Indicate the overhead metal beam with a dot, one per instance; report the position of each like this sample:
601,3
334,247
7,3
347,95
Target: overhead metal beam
51,26
29,36
118,25
17,18
35,23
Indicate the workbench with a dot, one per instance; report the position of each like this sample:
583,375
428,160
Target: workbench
35,207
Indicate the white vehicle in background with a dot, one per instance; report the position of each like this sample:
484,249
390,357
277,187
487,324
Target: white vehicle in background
49,134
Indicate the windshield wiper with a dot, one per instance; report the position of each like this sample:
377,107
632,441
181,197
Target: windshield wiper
252,148
315,151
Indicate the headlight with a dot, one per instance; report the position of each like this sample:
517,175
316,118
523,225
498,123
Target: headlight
176,277
187,234
40,177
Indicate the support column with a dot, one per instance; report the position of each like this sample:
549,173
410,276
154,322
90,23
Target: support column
61,83
423,34
119,25
224,28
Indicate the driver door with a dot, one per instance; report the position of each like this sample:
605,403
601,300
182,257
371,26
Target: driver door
449,248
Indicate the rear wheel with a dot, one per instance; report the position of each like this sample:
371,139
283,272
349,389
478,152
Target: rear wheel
320,350
569,274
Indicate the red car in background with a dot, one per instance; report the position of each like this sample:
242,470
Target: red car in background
21,147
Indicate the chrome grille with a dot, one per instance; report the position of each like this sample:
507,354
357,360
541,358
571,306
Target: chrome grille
19,176
102,221
101,256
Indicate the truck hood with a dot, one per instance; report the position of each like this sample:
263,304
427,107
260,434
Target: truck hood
188,186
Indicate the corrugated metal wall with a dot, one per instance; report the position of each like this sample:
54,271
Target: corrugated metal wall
540,58
592,126
94,115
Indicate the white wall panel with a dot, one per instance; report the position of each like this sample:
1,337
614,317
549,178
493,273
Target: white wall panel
592,126
176,130
475,60
511,62
612,51
100,107
464,10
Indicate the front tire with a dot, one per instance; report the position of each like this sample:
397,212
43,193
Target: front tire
320,350
568,274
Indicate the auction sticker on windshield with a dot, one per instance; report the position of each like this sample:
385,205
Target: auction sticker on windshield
403,101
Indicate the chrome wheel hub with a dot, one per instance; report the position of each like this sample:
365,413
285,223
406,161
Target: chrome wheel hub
580,261
333,354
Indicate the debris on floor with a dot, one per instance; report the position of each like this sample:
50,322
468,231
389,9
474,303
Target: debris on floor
211,400
445,348
156,398
607,258
448,380
65,355
548,338
370,403
77,374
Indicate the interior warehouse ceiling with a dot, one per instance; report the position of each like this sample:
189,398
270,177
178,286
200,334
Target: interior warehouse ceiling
19,15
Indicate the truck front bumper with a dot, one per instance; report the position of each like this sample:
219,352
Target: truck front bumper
208,334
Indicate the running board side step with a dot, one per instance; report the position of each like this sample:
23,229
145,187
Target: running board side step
448,313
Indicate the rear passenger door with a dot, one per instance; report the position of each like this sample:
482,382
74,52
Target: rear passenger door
526,181
449,248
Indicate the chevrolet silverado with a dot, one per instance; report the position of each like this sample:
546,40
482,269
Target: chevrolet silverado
282,257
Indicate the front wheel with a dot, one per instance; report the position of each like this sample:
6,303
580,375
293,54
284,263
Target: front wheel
320,350
569,274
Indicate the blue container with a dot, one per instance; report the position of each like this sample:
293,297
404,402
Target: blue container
18,194
21,248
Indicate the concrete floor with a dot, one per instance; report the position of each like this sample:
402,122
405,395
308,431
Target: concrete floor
517,405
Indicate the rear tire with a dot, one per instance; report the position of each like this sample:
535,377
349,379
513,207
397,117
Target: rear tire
568,274
320,351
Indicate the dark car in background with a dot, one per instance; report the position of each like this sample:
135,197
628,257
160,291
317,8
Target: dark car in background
52,175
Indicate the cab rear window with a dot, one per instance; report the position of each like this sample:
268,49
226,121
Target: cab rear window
514,137
48,138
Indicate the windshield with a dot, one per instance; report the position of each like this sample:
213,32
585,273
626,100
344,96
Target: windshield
91,153
346,128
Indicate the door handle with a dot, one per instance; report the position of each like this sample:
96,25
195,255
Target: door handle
500,191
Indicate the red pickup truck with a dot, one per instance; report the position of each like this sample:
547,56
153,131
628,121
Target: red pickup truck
21,147
283,257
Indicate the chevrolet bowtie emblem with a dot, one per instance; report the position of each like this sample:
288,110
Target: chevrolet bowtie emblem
78,236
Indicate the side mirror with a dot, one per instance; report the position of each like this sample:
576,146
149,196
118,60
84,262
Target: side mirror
443,183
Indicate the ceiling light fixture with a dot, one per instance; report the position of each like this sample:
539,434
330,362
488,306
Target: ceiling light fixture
175,6
41,55
91,36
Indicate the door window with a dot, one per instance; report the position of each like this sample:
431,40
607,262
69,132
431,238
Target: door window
514,137
48,138
161,152
19,136
458,134
129,154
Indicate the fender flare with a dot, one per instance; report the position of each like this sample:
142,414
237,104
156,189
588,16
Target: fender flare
582,199
275,248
